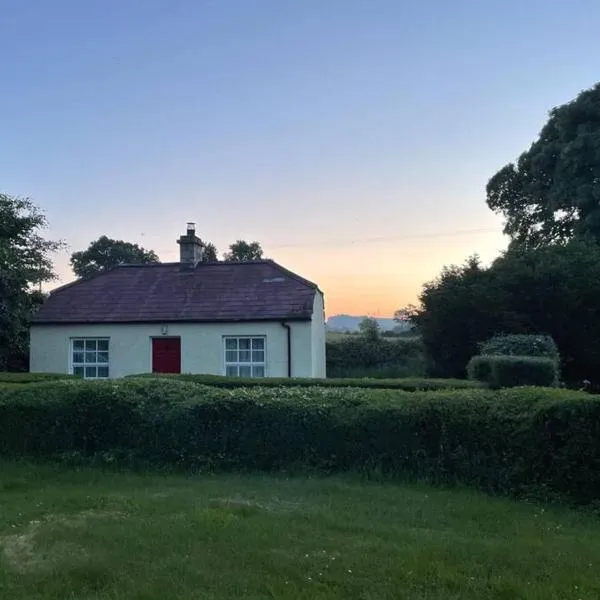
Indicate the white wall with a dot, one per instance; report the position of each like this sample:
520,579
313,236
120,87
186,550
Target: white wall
201,346
318,336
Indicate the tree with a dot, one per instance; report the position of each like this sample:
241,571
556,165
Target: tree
552,193
551,290
210,253
105,253
243,251
25,263
459,309
369,328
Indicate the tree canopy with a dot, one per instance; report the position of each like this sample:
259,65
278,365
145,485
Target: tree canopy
551,290
243,251
552,193
25,263
105,253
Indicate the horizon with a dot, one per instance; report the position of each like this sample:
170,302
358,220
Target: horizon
352,139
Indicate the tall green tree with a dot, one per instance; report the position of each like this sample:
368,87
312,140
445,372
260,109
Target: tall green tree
243,251
25,264
210,253
551,290
552,192
105,253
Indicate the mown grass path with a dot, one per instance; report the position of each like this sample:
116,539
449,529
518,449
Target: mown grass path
88,534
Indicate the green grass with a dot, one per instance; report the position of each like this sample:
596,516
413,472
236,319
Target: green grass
87,534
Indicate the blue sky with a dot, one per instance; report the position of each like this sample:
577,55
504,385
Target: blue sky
352,138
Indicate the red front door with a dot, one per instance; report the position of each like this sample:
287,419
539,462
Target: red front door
166,355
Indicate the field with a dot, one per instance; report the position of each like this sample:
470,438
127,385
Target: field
92,534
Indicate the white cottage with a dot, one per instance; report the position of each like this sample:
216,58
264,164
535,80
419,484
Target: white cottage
245,319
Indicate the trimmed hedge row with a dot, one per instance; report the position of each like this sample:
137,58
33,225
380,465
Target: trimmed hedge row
521,441
515,344
409,384
32,377
513,371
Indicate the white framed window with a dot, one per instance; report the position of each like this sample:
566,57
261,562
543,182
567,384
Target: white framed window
90,357
245,356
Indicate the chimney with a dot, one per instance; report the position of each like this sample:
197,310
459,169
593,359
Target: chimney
190,247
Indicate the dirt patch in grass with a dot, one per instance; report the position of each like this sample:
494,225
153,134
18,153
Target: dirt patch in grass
24,554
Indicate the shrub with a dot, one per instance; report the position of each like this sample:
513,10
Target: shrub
409,384
521,345
32,377
359,356
513,371
519,441
480,369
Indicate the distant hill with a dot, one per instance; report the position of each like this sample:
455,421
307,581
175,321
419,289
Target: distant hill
349,323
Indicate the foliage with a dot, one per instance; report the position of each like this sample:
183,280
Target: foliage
552,290
479,368
408,384
241,251
520,441
209,253
512,371
521,345
459,310
358,355
32,377
369,329
75,533
25,263
105,253
552,194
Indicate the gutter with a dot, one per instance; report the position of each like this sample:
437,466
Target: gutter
289,347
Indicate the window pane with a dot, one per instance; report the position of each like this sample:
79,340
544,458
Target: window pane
258,371
231,356
258,344
102,357
78,371
102,371
90,344
90,357
258,356
78,357
103,345
245,371
244,343
231,371
90,371
244,355
231,343
77,344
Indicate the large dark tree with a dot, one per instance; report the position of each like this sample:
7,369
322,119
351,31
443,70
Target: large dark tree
105,253
553,191
551,290
25,263
243,251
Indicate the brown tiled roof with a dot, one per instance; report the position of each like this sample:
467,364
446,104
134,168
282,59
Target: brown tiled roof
210,292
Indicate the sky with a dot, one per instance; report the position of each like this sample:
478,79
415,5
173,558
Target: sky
352,138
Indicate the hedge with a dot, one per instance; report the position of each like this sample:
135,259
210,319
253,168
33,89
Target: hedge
513,371
535,441
521,345
409,384
6,377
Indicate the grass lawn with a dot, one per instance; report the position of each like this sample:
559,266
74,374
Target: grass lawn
88,534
